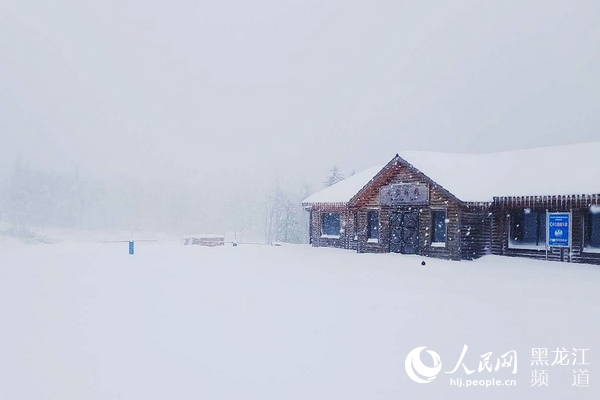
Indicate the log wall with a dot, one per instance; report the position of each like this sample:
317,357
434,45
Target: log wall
438,199
577,204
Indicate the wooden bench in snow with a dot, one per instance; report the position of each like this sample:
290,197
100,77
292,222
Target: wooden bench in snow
205,239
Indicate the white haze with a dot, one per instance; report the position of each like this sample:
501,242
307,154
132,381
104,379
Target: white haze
183,115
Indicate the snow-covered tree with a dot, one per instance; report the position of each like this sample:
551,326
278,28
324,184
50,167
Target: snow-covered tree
286,220
334,177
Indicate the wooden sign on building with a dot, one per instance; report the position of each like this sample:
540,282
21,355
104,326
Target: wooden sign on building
404,194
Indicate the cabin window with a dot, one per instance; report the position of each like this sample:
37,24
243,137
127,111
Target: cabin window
528,227
373,225
330,224
355,225
438,228
592,229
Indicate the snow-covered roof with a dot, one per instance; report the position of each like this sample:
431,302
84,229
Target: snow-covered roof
343,191
559,170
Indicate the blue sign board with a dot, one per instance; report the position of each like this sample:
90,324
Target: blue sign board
559,229
131,247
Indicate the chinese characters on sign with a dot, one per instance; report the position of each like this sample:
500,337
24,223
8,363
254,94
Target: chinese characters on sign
404,194
559,229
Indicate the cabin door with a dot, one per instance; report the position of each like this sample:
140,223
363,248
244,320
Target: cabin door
404,232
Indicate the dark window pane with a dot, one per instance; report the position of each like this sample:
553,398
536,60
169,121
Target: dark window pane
593,229
528,227
439,226
330,223
373,225
516,226
542,227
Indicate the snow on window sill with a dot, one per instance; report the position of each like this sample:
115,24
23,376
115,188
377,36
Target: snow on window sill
516,246
438,244
589,249
372,240
330,236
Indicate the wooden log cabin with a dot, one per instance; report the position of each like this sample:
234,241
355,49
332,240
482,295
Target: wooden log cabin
461,207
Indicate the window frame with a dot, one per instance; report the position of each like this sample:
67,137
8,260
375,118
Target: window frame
373,231
438,244
541,229
587,232
326,214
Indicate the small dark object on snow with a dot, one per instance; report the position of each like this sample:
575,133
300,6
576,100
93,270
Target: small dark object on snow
423,262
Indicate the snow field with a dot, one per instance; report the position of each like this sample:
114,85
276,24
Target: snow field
86,320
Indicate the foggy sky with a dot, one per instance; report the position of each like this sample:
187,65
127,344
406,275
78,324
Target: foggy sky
249,89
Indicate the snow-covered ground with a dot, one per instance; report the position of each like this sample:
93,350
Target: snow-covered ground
87,321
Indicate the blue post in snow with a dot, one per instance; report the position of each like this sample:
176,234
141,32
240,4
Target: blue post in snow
131,247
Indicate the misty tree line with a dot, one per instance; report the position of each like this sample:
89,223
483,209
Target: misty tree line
33,198
37,200
285,221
